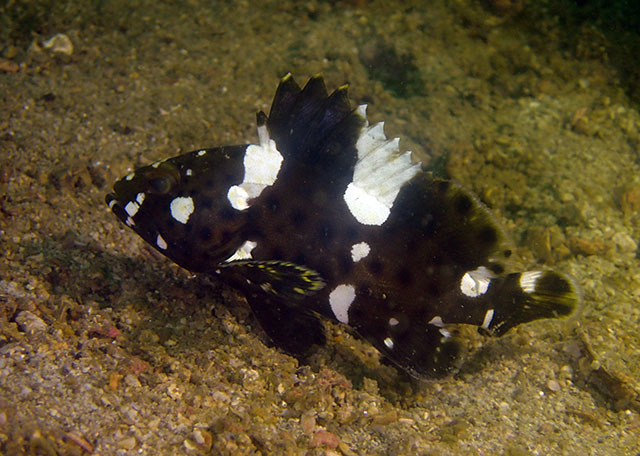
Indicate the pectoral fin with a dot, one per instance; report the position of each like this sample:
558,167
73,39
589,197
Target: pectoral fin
277,278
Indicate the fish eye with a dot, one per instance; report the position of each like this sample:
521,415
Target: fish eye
162,180
159,185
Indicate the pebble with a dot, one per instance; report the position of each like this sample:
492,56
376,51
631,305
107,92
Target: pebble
59,44
554,386
624,242
132,380
128,443
324,438
30,323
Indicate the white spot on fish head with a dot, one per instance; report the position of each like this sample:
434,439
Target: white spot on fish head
528,281
359,251
340,299
112,203
475,283
131,208
181,208
129,176
189,172
161,243
244,252
201,153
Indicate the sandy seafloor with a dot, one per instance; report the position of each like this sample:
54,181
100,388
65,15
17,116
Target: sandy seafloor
107,348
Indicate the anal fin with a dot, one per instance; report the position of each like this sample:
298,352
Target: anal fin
290,329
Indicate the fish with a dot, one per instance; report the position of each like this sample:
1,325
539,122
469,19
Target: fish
325,218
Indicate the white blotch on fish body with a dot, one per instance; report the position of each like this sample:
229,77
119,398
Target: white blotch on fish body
487,318
475,283
181,208
201,153
340,299
389,343
393,321
379,174
243,252
262,164
140,198
528,281
437,322
129,176
161,243
359,251
188,172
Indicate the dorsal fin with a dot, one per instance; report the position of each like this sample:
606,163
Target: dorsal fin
308,124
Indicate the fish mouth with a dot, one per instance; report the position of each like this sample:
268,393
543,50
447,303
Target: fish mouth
116,207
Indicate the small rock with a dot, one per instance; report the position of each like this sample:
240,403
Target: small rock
30,323
308,423
581,246
325,438
630,200
59,44
132,380
624,242
128,443
554,386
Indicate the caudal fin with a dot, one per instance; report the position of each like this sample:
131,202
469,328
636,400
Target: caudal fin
526,296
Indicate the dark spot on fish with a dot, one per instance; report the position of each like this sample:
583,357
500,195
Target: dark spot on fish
272,204
375,267
326,231
364,289
443,186
205,234
496,268
463,204
205,203
298,218
276,253
507,253
487,235
345,264
226,213
404,276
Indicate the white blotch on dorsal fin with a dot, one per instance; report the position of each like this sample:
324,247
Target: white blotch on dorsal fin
379,174
262,164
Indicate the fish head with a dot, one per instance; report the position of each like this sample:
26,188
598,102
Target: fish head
180,206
